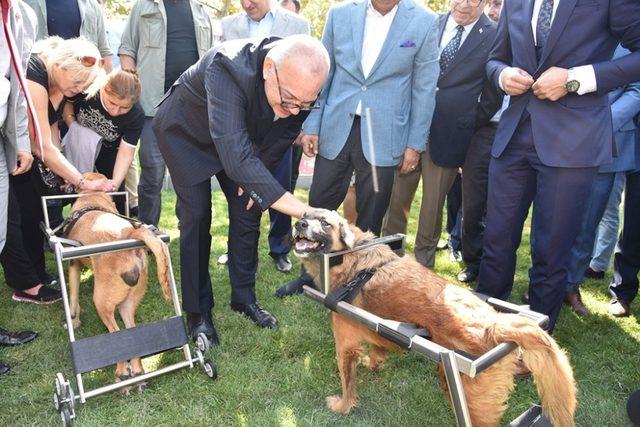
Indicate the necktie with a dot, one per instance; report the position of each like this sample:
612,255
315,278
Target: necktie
543,26
449,51
17,67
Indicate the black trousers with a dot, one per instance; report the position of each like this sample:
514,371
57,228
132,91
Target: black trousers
454,213
193,209
626,264
475,176
19,270
331,180
30,214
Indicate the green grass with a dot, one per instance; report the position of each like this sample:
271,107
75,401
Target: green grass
282,377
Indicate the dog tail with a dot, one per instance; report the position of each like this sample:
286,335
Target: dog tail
160,251
547,362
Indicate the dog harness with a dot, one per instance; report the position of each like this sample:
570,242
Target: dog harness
68,224
349,290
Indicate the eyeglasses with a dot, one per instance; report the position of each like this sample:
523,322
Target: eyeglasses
306,106
90,61
472,3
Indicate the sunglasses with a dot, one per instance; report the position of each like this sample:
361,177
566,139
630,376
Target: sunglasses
90,61
305,106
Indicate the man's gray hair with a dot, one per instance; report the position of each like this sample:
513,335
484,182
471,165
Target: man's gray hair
303,48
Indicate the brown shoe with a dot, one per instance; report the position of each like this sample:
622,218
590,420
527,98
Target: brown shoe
574,300
619,308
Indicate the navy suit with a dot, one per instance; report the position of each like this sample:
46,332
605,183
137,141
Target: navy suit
548,152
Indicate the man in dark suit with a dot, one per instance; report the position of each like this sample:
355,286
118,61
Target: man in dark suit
554,59
232,115
466,36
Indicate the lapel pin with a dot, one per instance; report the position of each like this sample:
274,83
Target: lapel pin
480,30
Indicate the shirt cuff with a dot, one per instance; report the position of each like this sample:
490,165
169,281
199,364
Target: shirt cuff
587,78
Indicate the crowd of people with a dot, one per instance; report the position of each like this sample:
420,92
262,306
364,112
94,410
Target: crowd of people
496,108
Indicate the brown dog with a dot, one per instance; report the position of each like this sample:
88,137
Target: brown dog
120,278
405,291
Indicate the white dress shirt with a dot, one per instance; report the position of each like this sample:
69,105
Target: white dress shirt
450,32
262,28
376,28
5,69
584,74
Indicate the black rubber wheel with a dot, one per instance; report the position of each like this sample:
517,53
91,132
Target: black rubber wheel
210,369
65,416
202,342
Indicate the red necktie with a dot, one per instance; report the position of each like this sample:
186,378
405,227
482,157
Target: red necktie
17,66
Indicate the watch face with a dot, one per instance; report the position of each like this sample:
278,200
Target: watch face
573,86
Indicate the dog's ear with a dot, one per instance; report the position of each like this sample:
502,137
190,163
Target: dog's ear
346,235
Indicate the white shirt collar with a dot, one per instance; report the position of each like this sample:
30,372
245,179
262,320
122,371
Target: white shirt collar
451,24
391,13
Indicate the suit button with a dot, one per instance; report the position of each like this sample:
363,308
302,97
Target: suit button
363,88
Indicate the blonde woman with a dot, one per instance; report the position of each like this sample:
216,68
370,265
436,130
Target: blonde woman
112,111
57,69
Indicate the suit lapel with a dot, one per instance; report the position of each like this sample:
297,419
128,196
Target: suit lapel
563,13
398,26
280,22
357,28
442,23
475,37
530,44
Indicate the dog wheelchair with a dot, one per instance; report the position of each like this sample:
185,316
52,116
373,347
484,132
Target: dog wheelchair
97,352
411,337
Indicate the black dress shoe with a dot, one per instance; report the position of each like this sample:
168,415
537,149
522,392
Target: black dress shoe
283,264
259,315
202,323
4,368
590,273
291,288
16,338
468,275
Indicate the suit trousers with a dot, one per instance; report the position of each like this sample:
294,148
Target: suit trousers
516,179
19,272
280,224
193,209
4,192
331,180
436,183
475,176
151,176
626,264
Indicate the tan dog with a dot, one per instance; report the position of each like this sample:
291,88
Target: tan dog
120,278
405,291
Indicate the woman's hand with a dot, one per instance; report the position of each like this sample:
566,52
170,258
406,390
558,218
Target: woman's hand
104,185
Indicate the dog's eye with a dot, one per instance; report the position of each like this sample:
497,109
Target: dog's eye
324,223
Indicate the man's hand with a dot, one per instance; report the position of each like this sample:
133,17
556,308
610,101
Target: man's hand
515,81
310,145
552,84
250,202
25,159
409,161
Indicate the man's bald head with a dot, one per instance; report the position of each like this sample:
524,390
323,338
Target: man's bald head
295,70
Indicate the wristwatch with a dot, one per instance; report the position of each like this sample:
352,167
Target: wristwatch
572,85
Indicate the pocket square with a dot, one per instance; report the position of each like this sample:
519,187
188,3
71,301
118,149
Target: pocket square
408,43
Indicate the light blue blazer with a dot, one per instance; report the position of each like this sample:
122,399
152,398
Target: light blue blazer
399,91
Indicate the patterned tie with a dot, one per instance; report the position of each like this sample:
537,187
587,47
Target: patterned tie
449,51
17,66
543,27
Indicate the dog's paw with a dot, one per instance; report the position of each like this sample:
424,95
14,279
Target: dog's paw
140,387
75,321
375,364
339,405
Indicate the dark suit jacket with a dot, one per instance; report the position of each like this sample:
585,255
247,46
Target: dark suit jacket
576,130
457,108
216,117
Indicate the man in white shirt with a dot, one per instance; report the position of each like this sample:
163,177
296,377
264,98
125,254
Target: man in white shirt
554,58
466,37
384,68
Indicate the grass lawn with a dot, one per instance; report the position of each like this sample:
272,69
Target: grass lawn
282,377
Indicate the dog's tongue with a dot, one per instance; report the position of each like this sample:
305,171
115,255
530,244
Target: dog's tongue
305,245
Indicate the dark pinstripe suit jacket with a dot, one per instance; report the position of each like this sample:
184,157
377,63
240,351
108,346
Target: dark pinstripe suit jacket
216,117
